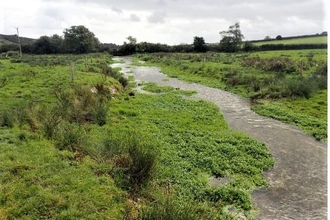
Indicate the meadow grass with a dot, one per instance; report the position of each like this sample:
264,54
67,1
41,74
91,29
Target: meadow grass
40,182
306,40
264,77
150,151
36,78
48,166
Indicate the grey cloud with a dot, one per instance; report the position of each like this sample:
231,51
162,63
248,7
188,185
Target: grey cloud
135,18
186,18
231,10
119,11
157,17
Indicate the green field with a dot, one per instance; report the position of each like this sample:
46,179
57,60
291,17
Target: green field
306,40
4,41
68,152
280,83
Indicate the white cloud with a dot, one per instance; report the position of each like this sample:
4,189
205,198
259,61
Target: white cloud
164,21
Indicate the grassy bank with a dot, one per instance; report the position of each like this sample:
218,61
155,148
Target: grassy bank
89,148
286,77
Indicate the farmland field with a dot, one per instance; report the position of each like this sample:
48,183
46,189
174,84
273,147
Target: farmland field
281,84
76,142
4,41
307,40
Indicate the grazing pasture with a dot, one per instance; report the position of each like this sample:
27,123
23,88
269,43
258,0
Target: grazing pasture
272,80
76,142
305,40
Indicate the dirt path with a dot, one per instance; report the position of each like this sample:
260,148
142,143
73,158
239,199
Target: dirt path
298,181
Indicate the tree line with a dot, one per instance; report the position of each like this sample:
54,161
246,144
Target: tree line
231,42
75,40
79,39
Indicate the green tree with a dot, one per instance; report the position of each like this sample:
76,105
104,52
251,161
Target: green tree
42,45
231,39
78,39
48,45
199,44
128,48
248,46
279,37
56,43
131,40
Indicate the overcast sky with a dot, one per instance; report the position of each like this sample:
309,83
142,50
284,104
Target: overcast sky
164,21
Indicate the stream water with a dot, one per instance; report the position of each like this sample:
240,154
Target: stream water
297,182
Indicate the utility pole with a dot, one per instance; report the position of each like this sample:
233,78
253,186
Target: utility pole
19,44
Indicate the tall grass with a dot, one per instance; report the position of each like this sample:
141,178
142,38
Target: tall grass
134,155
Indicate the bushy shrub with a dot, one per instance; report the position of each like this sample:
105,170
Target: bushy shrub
231,77
322,69
321,82
274,64
300,87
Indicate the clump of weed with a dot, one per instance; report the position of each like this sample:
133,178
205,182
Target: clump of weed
300,87
50,119
80,105
143,158
152,87
229,195
70,137
3,81
7,119
169,208
108,71
274,64
134,155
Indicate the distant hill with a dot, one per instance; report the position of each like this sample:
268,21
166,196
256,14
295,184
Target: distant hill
12,39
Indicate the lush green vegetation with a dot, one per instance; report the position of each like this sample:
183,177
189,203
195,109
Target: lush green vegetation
298,77
307,40
154,88
48,165
86,147
309,114
194,143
